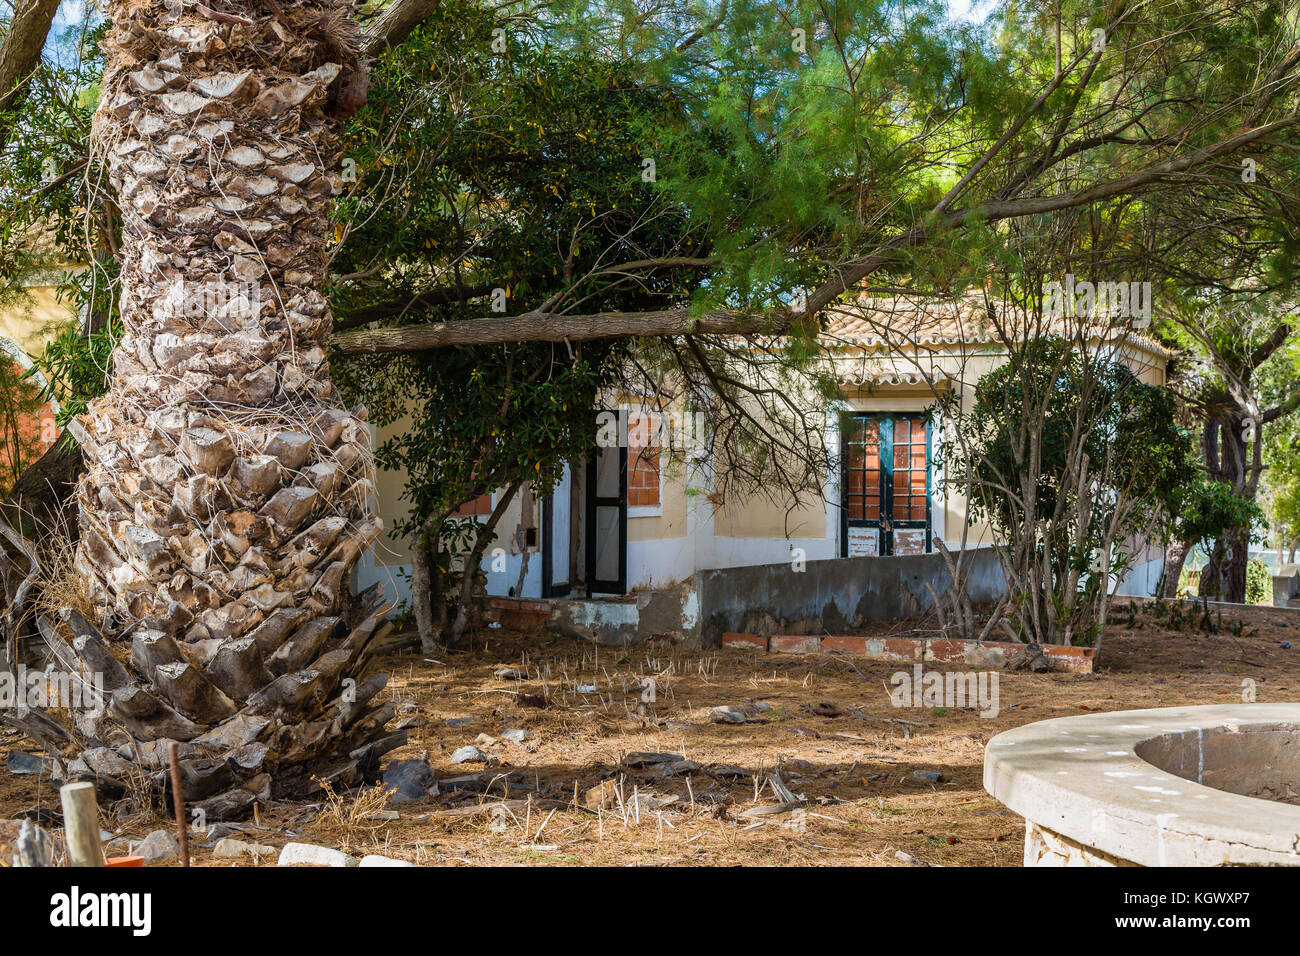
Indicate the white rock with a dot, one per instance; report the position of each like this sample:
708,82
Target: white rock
158,846
231,849
469,755
222,85
295,854
185,103
382,861
728,715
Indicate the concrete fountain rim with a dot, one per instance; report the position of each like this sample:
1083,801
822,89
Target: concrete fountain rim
1081,777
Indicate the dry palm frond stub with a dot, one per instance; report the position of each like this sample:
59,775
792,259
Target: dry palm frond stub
1030,658
226,496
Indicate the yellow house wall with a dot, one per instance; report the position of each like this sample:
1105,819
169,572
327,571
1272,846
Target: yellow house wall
756,516
389,550
32,319
672,500
959,369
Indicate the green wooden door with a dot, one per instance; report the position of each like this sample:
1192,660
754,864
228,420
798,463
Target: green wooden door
885,484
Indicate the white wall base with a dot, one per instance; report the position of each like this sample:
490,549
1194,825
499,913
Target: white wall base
661,563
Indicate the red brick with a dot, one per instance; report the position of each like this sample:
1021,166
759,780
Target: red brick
948,650
527,605
794,644
482,505
846,644
900,649
524,620
643,497
520,604
1077,659
733,639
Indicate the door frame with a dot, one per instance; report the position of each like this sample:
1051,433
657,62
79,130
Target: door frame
886,523
549,588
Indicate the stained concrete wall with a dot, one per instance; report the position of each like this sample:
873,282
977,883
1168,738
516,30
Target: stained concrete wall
672,613
1286,586
833,597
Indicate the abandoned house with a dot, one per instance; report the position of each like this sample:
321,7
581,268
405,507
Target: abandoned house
634,543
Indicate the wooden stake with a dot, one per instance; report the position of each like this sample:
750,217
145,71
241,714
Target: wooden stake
81,824
178,802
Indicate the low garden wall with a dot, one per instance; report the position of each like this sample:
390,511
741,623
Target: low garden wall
835,596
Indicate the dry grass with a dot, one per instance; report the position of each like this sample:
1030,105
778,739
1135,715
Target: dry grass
355,816
527,806
59,585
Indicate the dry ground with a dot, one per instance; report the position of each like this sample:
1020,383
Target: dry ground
855,769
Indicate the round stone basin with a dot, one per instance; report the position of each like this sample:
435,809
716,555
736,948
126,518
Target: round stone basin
1175,786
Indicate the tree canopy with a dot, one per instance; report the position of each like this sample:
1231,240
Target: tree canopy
559,197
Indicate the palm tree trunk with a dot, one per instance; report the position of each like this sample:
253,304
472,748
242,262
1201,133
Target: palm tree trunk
226,497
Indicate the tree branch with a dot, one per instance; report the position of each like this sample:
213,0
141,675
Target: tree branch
552,327
1271,345
394,24
20,53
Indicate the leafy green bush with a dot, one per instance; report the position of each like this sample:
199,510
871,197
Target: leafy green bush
1259,583
77,367
1068,455
1208,507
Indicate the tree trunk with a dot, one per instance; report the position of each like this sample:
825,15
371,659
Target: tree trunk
1234,566
424,593
38,505
225,501
1175,558
485,536
1211,585
20,53
395,23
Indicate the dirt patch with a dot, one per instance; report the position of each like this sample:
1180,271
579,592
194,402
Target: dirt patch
856,770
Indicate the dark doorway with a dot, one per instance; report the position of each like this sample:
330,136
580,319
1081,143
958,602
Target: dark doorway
606,517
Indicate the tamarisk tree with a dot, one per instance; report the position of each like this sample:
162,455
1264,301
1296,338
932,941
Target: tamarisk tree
225,498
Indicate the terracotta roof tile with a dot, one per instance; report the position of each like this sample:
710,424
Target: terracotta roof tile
887,322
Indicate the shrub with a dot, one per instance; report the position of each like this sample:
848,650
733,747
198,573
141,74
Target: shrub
1259,583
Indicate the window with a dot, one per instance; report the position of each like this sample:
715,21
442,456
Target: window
482,505
911,466
642,475
862,469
